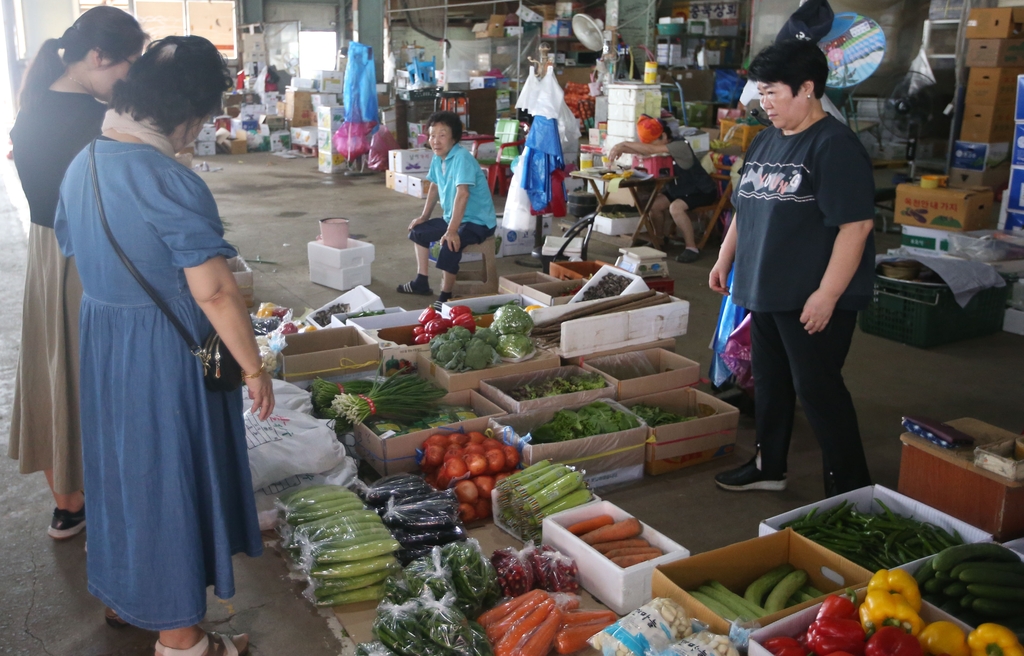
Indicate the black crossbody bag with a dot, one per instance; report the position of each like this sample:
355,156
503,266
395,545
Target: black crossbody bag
221,372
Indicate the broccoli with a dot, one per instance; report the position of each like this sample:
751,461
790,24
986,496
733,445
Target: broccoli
458,361
459,334
446,352
487,335
479,354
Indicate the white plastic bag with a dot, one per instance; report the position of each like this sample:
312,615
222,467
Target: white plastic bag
529,92
517,214
343,475
288,396
289,443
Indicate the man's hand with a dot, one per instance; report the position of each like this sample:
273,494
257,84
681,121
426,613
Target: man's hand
616,152
453,241
817,311
416,222
718,281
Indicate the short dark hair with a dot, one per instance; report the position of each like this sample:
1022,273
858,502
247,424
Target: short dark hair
791,62
180,79
115,34
451,119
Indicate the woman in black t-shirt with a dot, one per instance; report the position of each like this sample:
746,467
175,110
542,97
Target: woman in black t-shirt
62,109
804,252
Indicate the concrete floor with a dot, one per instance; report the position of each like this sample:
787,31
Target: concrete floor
270,207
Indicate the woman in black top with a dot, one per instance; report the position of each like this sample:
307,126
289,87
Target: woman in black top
62,109
804,256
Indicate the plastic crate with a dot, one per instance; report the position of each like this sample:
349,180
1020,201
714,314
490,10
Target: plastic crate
927,315
574,270
666,285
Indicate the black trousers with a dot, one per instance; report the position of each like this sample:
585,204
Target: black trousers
788,363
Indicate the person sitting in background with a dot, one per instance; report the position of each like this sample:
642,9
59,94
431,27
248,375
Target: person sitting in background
466,203
692,186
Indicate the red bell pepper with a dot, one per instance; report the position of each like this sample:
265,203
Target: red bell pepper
457,310
428,315
465,321
784,646
422,338
893,641
437,327
418,330
831,634
842,607
446,323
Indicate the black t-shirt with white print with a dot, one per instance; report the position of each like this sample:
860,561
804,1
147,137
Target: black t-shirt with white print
794,193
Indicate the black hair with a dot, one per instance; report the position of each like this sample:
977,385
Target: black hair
665,129
180,79
791,62
115,34
451,119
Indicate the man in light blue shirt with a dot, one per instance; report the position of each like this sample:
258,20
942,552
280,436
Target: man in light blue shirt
469,218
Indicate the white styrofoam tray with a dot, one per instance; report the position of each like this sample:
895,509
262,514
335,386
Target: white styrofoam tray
796,624
480,303
622,590
338,320
359,299
636,287
607,225
378,321
866,499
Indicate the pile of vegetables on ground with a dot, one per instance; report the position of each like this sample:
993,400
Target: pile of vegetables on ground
780,588
528,496
596,418
557,386
977,583
874,541
470,463
403,397
619,542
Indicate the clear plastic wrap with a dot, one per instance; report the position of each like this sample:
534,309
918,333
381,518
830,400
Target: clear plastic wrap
321,591
647,631
515,576
333,528
552,570
624,366
474,578
445,625
515,348
396,589
512,320
429,573
531,629
429,538
435,512
373,649
705,643
986,245
397,627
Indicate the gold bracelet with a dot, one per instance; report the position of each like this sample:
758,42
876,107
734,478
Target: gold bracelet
262,370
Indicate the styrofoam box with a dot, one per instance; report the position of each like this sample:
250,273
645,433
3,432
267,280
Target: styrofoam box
206,148
610,142
622,590
495,515
480,303
1013,321
1017,545
414,160
865,501
636,287
797,624
624,112
417,187
402,183
338,320
339,279
609,226
358,253
624,129
359,299
379,321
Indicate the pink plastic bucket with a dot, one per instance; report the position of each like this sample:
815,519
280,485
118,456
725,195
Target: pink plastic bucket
334,232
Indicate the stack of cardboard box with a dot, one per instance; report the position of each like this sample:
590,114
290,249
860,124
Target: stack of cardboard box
995,56
329,119
1013,217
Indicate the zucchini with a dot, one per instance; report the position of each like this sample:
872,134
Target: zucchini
995,608
358,551
949,558
757,590
812,591
753,609
370,593
357,568
985,574
313,513
944,577
925,572
334,586
996,592
737,609
955,590
784,590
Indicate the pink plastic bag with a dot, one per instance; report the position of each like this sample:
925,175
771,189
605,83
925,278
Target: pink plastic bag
381,143
737,354
353,139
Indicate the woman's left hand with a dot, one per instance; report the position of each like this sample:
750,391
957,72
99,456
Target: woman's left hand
817,311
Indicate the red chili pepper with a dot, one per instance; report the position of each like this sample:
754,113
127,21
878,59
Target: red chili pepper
456,310
839,606
891,641
428,315
422,338
465,321
831,634
784,646
418,330
436,327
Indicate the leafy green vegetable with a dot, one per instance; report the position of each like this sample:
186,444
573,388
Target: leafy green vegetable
655,416
556,386
594,419
512,320
514,346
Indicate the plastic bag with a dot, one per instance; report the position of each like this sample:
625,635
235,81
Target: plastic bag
395,485
320,591
445,625
730,316
436,512
515,576
737,355
349,525
289,443
714,643
529,92
267,496
429,573
429,537
647,631
383,142
353,139
624,366
397,627
313,503
728,86
473,576
511,320
515,348
517,216
373,649
360,88
552,570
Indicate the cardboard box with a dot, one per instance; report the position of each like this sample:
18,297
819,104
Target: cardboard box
609,459
995,52
494,28
330,118
869,500
558,292
299,108
514,283
389,179
496,389
1000,457
327,353
329,81
415,160
980,156
739,565
995,23
391,454
521,242
674,446
324,100
987,123
398,351
419,186
239,146
673,371
330,162
280,141
944,209
206,148
622,590
995,178
669,344
243,278
456,382
1015,192
992,86
1013,321
402,183
926,239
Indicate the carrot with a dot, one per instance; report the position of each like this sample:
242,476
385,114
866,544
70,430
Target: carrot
587,617
637,551
624,530
605,547
574,638
521,630
495,614
588,525
539,644
629,561
504,625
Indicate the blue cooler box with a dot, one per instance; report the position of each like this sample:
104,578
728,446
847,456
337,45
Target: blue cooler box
1017,159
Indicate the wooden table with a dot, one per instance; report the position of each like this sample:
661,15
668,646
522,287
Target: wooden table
635,185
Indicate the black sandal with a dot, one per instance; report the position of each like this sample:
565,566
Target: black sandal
408,288
114,621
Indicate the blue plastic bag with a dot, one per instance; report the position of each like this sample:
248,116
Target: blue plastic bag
728,86
730,316
542,156
360,91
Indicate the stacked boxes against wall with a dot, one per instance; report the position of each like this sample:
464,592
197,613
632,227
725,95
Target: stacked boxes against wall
1013,218
627,103
328,120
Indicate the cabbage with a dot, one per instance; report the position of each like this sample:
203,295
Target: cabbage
512,320
514,347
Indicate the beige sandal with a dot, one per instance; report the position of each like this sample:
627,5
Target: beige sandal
212,644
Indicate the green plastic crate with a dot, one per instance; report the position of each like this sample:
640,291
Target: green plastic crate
927,315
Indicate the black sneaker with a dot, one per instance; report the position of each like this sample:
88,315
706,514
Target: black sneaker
66,524
748,477
688,256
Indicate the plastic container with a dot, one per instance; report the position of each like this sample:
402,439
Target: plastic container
334,232
635,287
926,315
574,270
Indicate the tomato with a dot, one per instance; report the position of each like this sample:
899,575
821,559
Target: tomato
428,315
457,310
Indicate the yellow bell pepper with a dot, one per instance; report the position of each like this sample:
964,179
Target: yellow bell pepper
897,582
994,640
883,609
940,638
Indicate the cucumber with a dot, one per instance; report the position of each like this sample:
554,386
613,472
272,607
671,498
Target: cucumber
334,586
984,574
358,551
571,500
718,609
357,568
924,572
321,511
735,607
996,592
955,590
370,593
966,601
995,608
949,558
943,577
784,590
933,585
757,590
753,609
812,591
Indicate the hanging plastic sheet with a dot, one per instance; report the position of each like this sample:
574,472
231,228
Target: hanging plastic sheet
730,316
542,157
360,91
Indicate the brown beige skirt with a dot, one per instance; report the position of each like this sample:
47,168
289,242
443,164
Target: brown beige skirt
45,431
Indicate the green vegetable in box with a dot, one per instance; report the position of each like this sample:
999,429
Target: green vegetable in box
654,416
373,649
445,625
512,320
595,419
458,350
487,335
514,347
557,386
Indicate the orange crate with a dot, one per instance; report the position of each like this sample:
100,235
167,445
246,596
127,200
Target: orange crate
744,134
575,270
